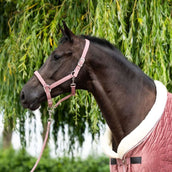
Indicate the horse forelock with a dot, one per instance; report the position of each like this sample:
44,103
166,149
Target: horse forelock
63,40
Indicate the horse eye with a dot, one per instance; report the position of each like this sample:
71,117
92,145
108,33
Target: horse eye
69,53
56,56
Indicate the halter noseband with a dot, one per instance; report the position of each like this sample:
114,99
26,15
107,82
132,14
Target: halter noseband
72,75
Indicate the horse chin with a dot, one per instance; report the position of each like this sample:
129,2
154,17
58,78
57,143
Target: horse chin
34,107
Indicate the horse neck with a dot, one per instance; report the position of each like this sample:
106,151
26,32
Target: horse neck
123,92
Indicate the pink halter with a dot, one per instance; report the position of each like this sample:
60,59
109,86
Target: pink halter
72,76
48,89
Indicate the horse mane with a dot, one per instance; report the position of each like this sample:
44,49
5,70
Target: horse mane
102,42
99,41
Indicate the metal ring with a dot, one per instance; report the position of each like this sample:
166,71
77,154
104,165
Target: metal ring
72,73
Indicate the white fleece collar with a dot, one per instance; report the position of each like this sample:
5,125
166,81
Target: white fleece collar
141,131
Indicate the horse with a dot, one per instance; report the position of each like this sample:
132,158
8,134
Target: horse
131,103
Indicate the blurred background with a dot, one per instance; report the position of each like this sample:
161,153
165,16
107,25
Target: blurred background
29,32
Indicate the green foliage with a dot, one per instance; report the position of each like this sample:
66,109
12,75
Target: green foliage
33,35
140,29
20,161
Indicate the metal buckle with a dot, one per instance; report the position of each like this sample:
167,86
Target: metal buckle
72,73
82,60
73,79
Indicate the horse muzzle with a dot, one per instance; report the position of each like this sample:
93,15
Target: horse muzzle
29,99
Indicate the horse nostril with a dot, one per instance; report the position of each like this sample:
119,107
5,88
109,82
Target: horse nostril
22,96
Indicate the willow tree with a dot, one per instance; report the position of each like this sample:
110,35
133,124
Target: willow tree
141,29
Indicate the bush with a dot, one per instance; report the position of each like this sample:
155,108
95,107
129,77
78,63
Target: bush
21,161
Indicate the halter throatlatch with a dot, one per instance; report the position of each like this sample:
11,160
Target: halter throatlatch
48,88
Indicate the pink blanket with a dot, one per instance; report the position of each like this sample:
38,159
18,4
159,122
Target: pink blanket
154,152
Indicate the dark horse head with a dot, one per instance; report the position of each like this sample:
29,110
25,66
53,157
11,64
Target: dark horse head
123,92
60,63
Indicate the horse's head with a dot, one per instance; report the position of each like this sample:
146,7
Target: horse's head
59,64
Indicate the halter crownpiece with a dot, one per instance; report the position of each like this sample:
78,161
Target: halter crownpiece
72,75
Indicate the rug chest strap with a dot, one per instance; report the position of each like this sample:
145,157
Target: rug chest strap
133,160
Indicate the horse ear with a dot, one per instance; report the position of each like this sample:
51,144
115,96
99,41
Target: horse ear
67,32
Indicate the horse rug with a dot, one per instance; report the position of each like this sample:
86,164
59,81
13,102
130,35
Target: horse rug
148,148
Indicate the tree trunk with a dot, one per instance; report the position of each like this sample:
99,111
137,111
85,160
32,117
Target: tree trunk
7,136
